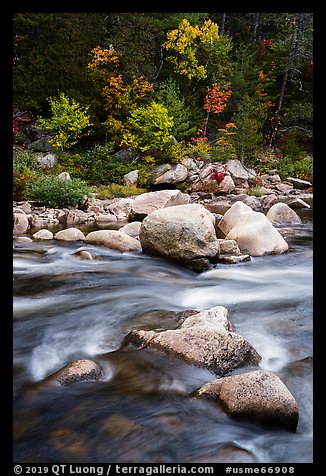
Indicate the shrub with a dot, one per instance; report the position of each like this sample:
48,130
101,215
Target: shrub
96,166
69,121
21,184
178,151
200,149
118,191
256,191
55,192
23,159
25,171
301,168
149,128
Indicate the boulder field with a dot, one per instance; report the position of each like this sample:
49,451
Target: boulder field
169,224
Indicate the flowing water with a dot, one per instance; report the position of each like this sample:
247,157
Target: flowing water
66,308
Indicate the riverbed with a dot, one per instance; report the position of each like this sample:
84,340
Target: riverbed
66,308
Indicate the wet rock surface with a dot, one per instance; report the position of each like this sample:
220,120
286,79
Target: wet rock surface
203,340
258,396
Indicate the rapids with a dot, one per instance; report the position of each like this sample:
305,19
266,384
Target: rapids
66,308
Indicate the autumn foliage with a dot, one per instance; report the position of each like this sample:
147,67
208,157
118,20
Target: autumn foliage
120,96
216,98
215,103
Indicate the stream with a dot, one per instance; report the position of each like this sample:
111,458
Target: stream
66,308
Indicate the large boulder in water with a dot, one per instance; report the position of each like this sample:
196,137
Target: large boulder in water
258,396
43,235
180,233
252,230
204,339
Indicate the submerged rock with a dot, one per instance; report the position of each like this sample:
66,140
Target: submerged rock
83,254
258,396
227,453
77,371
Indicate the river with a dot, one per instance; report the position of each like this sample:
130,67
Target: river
66,308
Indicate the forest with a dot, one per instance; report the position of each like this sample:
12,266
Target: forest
162,86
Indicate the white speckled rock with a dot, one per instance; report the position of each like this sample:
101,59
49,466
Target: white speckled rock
281,214
184,232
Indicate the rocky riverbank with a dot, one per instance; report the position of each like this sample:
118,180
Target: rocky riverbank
197,178
154,223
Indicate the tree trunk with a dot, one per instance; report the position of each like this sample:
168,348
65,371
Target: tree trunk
289,65
222,29
205,124
256,23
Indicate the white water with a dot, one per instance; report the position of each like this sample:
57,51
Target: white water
67,308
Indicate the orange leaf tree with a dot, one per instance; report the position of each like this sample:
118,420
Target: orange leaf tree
119,97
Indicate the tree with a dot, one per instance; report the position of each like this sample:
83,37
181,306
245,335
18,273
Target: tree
293,48
69,121
191,49
149,128
118,97
50,53
249,121
215,102
169,94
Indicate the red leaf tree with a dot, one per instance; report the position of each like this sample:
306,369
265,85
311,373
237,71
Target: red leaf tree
215,102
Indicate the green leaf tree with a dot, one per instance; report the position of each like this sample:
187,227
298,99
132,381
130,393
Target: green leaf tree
249,121
169,94
69,121
149,128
